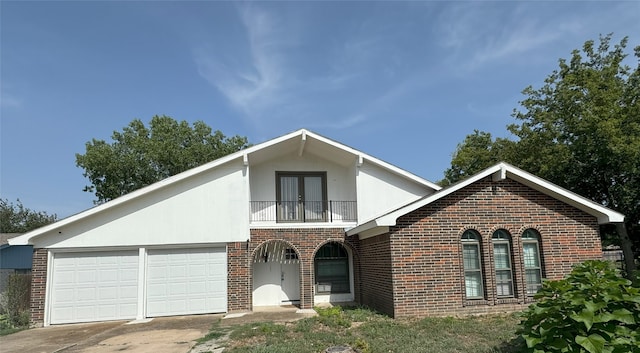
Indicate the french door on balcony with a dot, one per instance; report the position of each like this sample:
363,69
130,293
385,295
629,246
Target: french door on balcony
302,197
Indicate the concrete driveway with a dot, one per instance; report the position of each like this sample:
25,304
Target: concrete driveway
160,335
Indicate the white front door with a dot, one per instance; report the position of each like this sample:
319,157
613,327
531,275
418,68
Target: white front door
290,283
266,283
275,283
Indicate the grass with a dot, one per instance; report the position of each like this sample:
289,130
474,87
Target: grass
8,331
215,332
7,327
370,332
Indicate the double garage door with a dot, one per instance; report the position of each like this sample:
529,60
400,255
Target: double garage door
100,286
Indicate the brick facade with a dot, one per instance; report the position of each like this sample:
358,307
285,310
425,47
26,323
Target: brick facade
376,270
416,269
305,241
238,277
428,277
38,286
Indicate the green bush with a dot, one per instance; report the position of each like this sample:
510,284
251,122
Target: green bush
332,316
17,296
593,310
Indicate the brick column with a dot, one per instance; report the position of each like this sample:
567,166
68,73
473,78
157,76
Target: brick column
38,286
238,277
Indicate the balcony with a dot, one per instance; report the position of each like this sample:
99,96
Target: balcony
303,211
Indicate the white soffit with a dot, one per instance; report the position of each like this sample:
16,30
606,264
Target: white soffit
298,139
499,172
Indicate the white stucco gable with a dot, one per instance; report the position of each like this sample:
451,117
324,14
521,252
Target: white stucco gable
209,204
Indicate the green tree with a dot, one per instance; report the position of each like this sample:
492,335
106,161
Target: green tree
477,152
580,130
140,155
15,218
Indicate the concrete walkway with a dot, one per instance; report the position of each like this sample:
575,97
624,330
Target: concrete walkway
267,314
177,334
260,314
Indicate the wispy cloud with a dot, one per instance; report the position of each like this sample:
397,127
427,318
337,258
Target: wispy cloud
254,85
270,78
482,33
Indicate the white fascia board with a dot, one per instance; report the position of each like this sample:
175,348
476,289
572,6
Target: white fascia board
26,238
499,172
362,156
362,228
389,219
605,215
306,134
303,133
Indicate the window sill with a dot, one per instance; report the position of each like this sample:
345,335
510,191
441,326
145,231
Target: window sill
475,302
507,300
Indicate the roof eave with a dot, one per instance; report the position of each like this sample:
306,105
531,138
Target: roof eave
502,171
603,214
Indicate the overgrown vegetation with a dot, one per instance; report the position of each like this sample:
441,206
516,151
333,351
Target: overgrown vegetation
593,310
370,332
14,304
15,218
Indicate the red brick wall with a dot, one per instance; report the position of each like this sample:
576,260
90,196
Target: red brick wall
376,274
238,277
38,286
427,262
306,241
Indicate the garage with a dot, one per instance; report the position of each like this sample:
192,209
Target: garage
186,281
94,286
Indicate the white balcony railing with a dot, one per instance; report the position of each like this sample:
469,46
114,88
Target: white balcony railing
303,211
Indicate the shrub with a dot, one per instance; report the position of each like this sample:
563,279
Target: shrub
593,310
17,297
332,316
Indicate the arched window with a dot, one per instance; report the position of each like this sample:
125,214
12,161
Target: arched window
502,259
474,287
532,263
332,269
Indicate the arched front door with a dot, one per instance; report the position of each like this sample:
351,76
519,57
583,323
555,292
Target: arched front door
276,275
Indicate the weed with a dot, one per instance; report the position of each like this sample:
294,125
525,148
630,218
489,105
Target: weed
333,317
377,333
362,346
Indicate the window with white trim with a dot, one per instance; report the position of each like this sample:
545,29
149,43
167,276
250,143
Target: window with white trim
472,261
502,260
532,263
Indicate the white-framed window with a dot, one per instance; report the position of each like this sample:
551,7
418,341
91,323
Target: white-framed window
502,260
532,263
472,263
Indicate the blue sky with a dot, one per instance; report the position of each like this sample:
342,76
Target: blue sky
402,81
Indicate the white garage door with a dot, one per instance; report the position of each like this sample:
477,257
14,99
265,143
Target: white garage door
94,286
186,281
